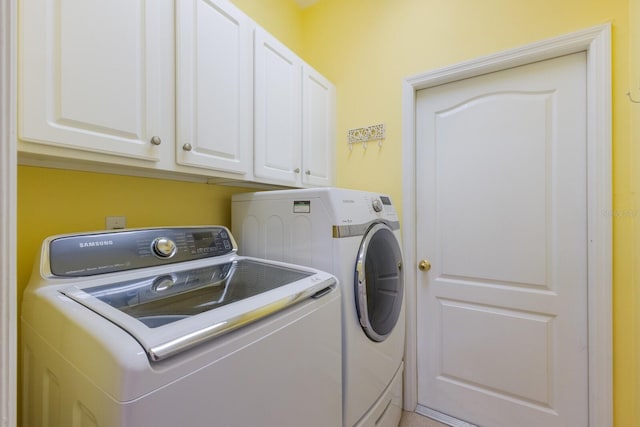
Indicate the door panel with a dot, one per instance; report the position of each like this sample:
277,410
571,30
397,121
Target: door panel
523,372
278,110
318,123
214,86
501,184
93,75
469,219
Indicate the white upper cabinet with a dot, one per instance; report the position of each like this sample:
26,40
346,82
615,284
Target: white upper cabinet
214,86
278,111
294,118
318,125
163,88
97,76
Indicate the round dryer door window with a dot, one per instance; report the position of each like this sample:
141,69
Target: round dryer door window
379,282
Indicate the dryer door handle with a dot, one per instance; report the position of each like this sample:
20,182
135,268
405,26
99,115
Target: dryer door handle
360,271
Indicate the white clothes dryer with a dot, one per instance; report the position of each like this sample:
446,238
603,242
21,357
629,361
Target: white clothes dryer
354,235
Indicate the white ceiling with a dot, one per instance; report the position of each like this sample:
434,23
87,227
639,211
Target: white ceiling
305,3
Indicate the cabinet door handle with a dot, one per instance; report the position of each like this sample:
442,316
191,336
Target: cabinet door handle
307,172
187,147
155,140
297,170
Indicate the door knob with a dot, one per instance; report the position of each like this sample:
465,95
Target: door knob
424,265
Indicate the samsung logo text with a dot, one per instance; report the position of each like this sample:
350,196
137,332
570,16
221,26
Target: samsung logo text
96,243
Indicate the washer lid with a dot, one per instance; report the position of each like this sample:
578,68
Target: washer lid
171,312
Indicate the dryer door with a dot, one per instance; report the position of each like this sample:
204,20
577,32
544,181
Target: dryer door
379,282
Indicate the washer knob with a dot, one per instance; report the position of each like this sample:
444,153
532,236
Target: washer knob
164,247
377,205
163,283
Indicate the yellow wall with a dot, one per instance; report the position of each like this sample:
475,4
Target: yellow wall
366,47
282,18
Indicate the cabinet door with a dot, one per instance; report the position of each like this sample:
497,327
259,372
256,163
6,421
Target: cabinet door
278,116
214,86
97,75
318,129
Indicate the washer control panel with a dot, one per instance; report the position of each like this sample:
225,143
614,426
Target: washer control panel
98,253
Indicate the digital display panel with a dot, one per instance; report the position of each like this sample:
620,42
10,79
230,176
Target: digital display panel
203,239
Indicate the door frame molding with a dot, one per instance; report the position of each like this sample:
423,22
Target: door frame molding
8,190
596,42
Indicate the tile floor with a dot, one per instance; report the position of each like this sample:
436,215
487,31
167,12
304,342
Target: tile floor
411,419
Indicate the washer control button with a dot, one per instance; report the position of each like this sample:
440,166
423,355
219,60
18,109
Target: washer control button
164,247
377,205
163,283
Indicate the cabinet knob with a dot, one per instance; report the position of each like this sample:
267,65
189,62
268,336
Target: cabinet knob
297,170
424,265
307,172
187,147
155,140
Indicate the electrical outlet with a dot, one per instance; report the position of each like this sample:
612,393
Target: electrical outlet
115,222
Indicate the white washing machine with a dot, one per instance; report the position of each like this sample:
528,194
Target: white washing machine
356,236
170,327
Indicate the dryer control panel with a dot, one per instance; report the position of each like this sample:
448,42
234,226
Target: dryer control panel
359,207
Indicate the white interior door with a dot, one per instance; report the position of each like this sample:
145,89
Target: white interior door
501,215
